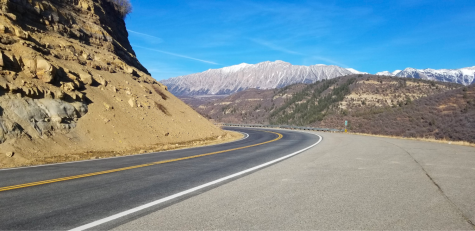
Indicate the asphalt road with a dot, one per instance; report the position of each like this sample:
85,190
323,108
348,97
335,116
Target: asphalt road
54,197
347,182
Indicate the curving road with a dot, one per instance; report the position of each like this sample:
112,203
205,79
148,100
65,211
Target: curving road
347,182
71,195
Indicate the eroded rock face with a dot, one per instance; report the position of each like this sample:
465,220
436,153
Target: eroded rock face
39,94
37,117
69,78
45,71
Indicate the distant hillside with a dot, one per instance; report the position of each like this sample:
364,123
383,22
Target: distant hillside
371,104
447,115
296,104
265,75
249,106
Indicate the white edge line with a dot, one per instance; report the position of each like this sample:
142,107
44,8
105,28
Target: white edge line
131,155
157,202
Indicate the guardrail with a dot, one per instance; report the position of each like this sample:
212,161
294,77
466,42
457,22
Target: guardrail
282,127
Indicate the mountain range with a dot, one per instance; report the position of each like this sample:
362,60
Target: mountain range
265,75
465,76
278,74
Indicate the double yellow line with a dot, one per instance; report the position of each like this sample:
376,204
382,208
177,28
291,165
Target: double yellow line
7,188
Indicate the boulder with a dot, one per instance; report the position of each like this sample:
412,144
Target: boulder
3,29
21,34
130,70
29,65
10,154
100,80
86,78
69,86
79,84
45,71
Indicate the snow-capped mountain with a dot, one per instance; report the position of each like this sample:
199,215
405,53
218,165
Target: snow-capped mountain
387,73
396,72
355,71
465,76
265,75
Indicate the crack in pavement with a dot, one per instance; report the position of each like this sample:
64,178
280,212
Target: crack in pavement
467,219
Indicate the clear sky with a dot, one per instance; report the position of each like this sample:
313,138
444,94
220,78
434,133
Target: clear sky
173,38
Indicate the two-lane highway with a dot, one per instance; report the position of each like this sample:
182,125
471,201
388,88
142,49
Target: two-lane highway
72,195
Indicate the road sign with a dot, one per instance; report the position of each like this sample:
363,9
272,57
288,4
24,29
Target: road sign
346,123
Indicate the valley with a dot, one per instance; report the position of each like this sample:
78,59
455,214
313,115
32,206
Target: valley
371,104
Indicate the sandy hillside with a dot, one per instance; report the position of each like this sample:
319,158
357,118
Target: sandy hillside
71,88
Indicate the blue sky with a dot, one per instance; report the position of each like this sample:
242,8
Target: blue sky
173,38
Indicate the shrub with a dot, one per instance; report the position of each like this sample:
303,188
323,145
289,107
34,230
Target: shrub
122,6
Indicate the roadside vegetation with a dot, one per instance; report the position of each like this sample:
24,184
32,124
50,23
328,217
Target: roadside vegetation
309,105
446,116
124,7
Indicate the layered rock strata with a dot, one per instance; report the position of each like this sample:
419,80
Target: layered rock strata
70,83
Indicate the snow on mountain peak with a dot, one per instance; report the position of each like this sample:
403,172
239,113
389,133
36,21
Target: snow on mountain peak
465,76
386,73
235,68
355,71
277,74
264,75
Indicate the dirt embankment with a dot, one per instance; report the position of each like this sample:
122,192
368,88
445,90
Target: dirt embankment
72,88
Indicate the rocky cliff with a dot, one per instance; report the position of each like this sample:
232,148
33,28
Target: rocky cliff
70,84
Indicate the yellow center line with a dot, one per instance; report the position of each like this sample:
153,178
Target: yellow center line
7,188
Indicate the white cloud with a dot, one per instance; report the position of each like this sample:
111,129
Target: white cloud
275,47
288,51
177,55
155,39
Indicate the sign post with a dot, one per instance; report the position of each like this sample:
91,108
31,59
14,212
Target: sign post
346,124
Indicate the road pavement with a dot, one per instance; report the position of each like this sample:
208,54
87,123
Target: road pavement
67,196
345,182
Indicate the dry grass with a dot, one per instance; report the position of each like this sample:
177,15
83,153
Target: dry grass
124,7
431,139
